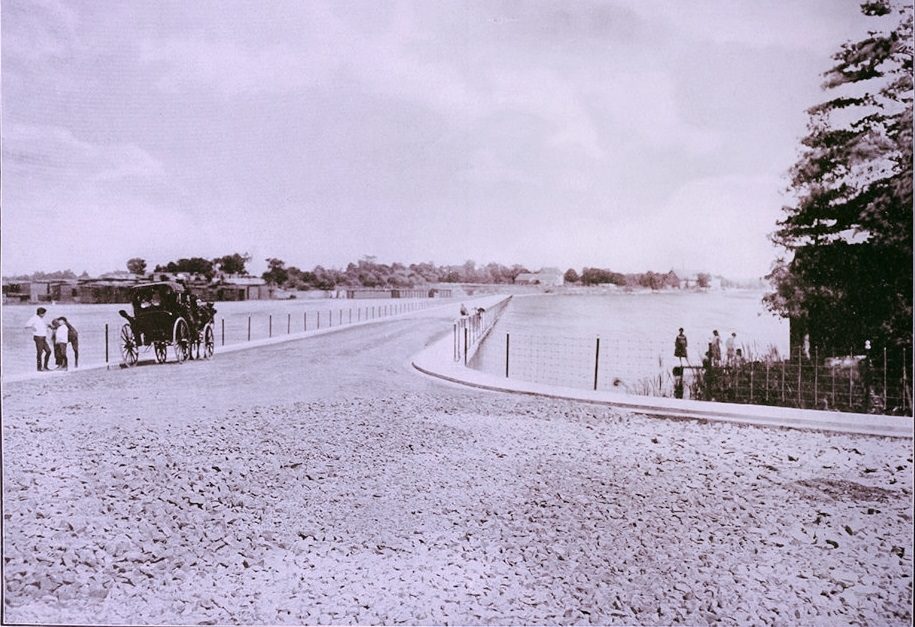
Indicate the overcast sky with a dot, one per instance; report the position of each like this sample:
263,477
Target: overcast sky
631,135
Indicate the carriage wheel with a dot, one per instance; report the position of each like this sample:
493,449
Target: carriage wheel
181,338
161,351
130,352
209,341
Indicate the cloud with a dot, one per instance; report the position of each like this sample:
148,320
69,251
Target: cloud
39,30
55,153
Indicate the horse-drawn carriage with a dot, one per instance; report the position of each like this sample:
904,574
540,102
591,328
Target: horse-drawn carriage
164,315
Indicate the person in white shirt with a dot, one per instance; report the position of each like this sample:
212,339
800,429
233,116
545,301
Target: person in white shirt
39,328
61,333
730,346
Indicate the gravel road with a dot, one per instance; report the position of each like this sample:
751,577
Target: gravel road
323,481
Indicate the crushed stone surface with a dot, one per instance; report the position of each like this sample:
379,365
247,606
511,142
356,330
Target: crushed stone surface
321,482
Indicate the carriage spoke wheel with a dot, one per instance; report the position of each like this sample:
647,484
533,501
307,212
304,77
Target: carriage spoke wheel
130,352
182,340
209,342
161,351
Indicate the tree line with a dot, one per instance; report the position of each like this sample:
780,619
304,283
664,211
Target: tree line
367,272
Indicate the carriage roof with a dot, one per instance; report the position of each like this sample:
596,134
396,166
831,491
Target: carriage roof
170,286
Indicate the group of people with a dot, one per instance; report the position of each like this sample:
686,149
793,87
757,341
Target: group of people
712,358
60,333
466,312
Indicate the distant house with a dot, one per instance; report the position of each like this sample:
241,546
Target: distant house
16,291
43,291
398,292
242,288
108,288
546,276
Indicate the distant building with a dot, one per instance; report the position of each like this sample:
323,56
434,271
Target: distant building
398,292
242,288
546,276
43,291
110,288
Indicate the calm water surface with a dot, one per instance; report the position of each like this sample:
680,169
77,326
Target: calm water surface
554,338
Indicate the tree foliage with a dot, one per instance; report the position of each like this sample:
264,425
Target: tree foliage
193,265
571,276
852,186
276,273
232,264
136,265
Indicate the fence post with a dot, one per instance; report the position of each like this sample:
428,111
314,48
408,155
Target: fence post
465,345
800,367
816,378
341,316
884,380
330,318
223,321
270,325
350,315
596,360
850,380
751,382
767,379
507,339
288,323
783,379
304,320
319,319
249,328
106,346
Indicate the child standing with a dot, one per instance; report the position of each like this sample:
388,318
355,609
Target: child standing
61,337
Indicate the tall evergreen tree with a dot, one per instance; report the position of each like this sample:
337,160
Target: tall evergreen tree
847,272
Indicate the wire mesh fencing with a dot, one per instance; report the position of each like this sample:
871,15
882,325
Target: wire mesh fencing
470,330
878,381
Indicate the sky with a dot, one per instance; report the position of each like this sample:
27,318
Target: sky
632,135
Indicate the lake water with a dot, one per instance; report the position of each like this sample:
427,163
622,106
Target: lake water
554,338
90,320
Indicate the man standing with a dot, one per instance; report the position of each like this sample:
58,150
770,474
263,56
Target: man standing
730,346
73,338
39,328
714,349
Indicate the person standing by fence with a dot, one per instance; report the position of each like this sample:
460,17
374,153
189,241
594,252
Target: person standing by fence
730,346
73,339
60,344
714,349
39,328
680,345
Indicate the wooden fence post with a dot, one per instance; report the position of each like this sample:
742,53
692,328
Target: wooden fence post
596,360
507,339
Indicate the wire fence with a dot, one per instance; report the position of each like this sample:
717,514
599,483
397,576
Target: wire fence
100,343
878,381
469,331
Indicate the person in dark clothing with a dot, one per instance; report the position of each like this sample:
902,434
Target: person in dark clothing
680,345
73,339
